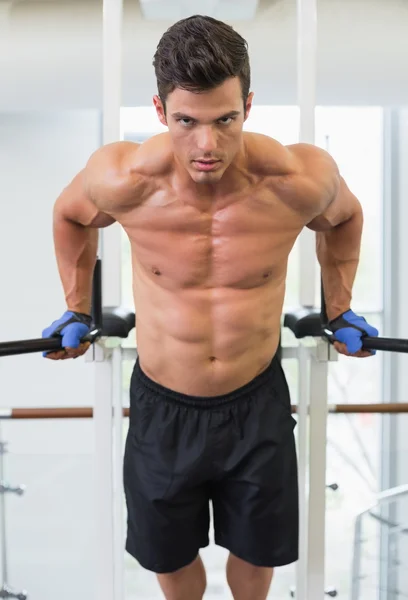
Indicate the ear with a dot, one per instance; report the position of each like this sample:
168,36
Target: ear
160,110
248,105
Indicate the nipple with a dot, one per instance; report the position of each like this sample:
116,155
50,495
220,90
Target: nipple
267,274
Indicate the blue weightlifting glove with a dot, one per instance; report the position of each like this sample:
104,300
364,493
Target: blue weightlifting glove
72,327
350,329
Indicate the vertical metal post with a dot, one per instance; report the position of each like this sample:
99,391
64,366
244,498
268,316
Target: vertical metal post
392,215
112,96
104,524
317,473
118,479
110,246
356,563
310,568
3,530
6,591
302,449
306,86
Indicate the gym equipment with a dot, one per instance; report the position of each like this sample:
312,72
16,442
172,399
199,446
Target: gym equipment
54,343
5,488
115,322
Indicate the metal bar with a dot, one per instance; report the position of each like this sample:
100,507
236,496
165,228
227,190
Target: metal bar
54,343
302,410
105,570
118,492
96,311
356,560
306,91
385,344
103,463
112,100
51,413
391,295
385,408
317,477
385,497
87,412
3,528
393,493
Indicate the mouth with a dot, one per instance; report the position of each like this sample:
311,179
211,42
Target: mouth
206,165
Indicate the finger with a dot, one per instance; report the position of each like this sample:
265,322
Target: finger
364,354
69,352
77,352
56,355
341,348
82,348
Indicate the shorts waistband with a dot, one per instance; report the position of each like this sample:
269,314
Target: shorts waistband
266,376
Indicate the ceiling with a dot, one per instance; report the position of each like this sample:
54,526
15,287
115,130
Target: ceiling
170,10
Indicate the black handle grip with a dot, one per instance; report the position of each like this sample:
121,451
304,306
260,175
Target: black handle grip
52,344
385,344
96,311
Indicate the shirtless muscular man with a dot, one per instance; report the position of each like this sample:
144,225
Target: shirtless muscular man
212,213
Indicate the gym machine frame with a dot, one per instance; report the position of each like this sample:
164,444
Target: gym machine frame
114,324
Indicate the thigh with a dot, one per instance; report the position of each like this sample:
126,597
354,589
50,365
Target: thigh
167,504
256,510
256,501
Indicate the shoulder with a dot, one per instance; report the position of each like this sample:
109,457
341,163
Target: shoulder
312,159
317,177
118,174
267,156
304,176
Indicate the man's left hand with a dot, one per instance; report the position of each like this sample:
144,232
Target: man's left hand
348,331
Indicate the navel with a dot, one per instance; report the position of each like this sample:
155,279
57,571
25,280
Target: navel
156,271
213,359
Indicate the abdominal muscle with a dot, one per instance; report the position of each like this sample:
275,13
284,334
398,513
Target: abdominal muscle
206,342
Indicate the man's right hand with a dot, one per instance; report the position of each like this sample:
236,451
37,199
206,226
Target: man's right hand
72,327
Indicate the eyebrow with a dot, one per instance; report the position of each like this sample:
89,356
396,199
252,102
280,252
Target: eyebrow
232,113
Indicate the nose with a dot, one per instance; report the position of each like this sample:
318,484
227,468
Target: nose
206,139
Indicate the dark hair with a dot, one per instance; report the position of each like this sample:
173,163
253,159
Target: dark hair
199,53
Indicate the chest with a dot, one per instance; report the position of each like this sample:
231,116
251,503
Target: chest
243,244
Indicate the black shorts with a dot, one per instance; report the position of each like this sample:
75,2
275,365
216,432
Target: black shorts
236,451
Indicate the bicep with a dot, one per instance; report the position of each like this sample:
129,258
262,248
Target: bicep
342,207
75,204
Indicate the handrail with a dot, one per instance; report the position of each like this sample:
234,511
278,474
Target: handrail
385,344
54,344
383,498
86,412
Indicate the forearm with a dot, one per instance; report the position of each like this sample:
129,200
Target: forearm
338,252
76,250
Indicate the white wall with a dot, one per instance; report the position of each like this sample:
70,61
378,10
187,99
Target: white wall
52,52
50,539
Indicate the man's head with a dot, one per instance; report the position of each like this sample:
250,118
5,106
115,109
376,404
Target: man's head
203,79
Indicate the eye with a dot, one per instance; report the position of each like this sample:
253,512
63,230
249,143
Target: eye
226,120
186,122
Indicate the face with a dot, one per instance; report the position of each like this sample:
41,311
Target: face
206,128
